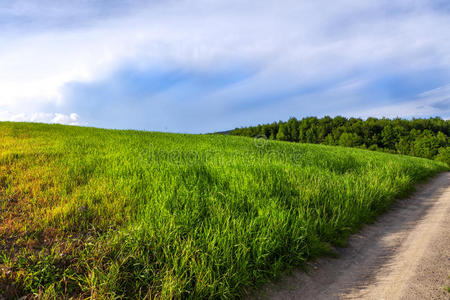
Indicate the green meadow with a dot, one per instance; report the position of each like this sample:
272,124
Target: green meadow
94,213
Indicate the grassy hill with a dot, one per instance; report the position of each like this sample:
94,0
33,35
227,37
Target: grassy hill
108,213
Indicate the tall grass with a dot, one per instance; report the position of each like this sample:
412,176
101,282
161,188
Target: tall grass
125,214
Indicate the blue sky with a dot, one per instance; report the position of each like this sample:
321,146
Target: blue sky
202,66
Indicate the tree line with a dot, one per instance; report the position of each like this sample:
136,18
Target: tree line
427,138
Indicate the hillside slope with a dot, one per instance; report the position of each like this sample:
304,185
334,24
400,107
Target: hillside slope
108,213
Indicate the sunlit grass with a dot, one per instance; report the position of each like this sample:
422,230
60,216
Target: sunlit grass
103,213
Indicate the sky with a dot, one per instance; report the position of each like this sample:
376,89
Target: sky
198,66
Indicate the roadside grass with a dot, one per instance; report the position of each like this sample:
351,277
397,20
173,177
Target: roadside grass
97,213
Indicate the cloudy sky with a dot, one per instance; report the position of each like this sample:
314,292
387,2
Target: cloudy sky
209,65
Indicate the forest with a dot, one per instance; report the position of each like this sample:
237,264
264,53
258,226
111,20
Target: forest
428,138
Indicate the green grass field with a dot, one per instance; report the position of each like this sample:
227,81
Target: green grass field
99,213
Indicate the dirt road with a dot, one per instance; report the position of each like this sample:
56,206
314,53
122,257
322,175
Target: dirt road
405,254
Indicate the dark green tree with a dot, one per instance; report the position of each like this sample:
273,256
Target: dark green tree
283,132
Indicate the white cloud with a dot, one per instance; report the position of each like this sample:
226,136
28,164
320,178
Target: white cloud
71,119
435,102
57,118
292,43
